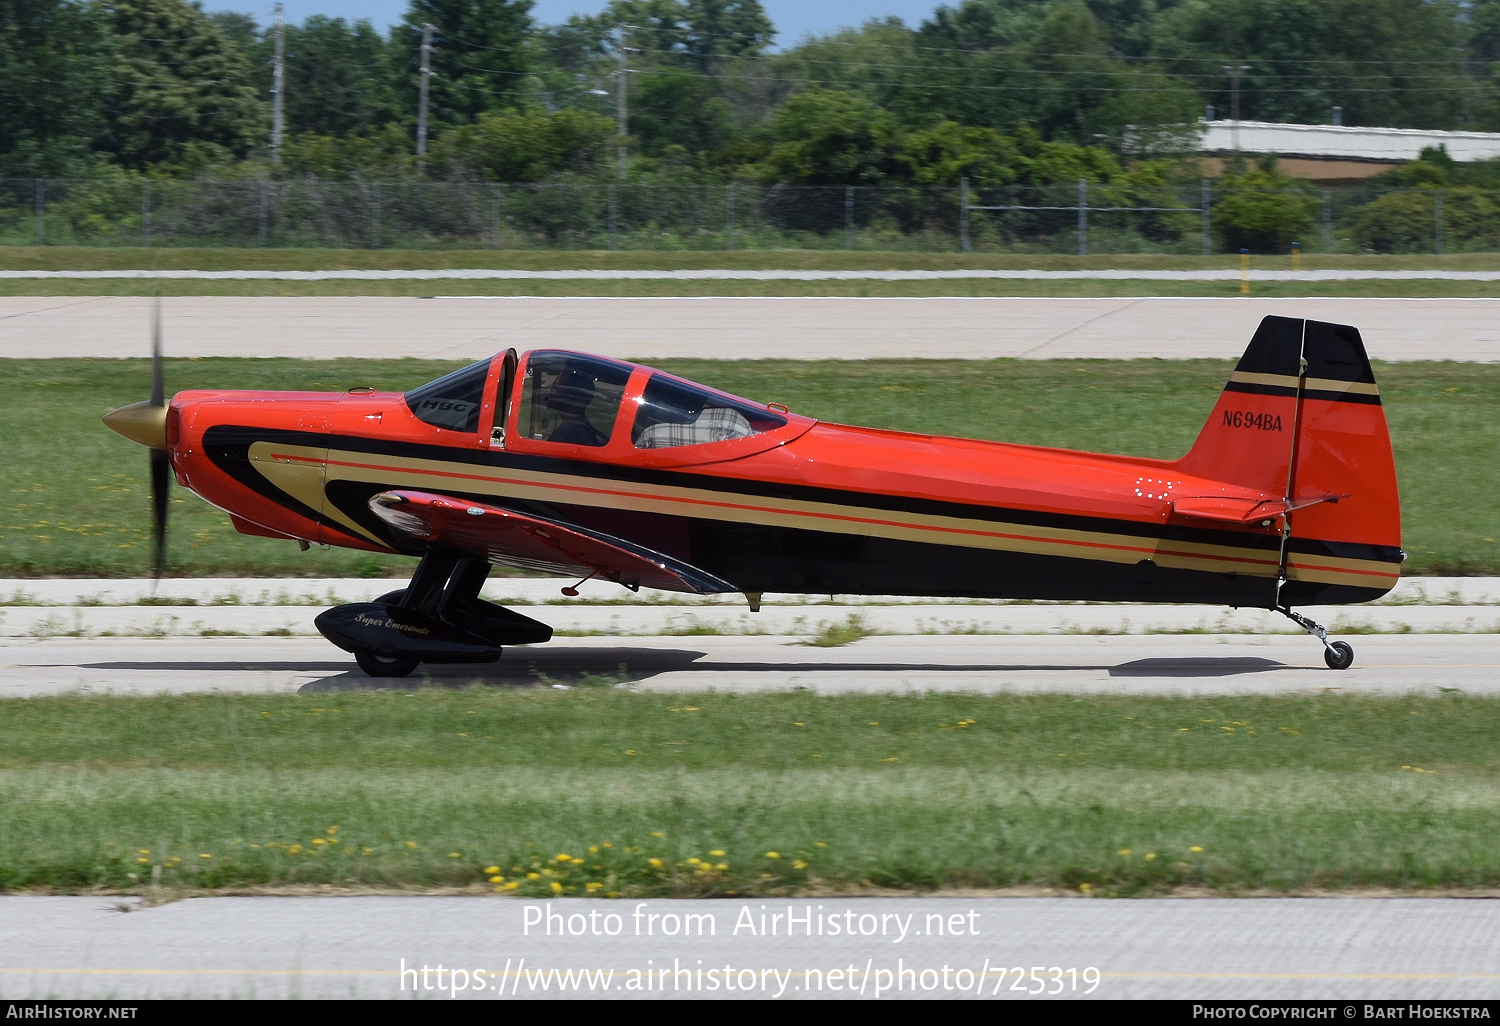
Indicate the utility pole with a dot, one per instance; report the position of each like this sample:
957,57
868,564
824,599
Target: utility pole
278,87
621,94
422,90
1234,74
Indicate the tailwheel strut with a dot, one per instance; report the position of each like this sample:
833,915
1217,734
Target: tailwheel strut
1339,655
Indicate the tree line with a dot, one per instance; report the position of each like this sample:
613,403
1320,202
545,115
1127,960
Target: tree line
1001,92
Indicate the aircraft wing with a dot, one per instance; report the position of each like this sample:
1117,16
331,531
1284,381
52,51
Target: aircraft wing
533,543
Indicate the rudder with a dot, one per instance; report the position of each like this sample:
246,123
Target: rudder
1301,419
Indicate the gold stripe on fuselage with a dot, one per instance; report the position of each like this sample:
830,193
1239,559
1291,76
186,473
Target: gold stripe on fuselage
567,489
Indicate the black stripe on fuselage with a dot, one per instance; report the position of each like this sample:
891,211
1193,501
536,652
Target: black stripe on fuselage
352,497
805,493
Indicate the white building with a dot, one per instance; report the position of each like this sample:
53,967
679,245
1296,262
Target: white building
1339,152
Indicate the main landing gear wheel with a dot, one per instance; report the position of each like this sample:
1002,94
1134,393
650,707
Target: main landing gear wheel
1339,655
385,666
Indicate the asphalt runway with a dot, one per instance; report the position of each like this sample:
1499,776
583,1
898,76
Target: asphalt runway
354,947
1192,664
800,328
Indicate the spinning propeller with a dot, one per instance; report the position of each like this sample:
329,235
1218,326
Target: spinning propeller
146,424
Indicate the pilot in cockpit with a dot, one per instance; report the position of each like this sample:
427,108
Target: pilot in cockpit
569,397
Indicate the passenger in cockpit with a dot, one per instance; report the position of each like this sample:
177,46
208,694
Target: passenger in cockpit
569,397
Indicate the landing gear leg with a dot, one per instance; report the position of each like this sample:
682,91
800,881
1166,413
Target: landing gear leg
442,580
1339,655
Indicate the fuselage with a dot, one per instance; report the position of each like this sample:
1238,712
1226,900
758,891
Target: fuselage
797,506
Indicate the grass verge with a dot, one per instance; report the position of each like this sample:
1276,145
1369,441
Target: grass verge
74,496
968,287
604,791
81,258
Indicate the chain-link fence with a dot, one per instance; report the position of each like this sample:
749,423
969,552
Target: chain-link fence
1187,218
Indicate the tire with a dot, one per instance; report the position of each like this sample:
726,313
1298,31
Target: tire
1339,655
385,666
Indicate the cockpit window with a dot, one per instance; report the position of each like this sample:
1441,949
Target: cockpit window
676,413
571,399
452,401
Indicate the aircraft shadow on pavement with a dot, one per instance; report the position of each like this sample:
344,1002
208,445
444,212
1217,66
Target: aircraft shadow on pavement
1197,667
606,666
524,667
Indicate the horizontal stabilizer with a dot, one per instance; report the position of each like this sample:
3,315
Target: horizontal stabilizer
1228,509
533,543
1239,510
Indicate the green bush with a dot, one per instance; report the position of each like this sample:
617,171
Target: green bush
1406,222
1263,211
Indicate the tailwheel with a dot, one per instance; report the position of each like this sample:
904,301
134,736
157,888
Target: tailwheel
385,666
1339,655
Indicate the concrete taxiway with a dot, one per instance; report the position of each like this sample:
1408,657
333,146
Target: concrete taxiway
280,947
257,636
797,328
1082,664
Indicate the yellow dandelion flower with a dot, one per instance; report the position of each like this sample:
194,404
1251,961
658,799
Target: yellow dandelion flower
630,751
874,723
205,855
556,887
455,855
694,861
561,856
294,849
1150,856
717,852
143,859
512,885
331,831
1196,847
143,851
1086,888
576,861
592,885
606,844
411,844
318,840
533,876
798,723
654,863
722,866
593,849
773,854
492,869
1125,851
798,864
497,879
657,833
820,844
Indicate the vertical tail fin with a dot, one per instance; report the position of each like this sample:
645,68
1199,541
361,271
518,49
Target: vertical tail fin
1301,418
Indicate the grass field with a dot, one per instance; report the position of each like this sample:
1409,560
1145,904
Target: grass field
75,258
76,495
1085,289
654,794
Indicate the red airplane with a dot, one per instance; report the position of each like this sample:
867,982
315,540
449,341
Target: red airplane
572,464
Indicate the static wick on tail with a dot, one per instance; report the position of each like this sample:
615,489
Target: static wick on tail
146,424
